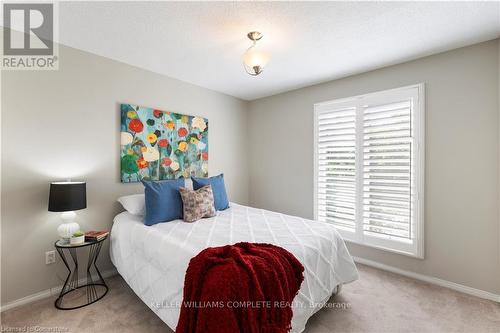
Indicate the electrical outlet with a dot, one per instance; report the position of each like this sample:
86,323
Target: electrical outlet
50,257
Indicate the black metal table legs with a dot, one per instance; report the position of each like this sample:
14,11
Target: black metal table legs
95,287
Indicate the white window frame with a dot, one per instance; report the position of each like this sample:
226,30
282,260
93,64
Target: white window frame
415,247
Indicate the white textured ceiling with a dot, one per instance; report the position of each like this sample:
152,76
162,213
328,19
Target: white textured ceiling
309,42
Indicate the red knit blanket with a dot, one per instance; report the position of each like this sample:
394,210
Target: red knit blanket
246,287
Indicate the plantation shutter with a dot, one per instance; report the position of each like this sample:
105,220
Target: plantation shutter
336,167
369,168
387,169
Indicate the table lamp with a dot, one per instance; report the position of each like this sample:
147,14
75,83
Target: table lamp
66,197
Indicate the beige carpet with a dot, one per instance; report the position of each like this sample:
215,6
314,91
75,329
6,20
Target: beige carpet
377,302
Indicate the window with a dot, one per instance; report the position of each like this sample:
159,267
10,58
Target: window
369,168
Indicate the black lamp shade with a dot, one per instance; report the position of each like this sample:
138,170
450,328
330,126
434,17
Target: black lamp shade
67,196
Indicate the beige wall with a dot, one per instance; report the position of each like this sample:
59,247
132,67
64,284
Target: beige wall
498,203
462,150
65,123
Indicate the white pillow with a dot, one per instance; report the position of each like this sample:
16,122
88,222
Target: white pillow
135,204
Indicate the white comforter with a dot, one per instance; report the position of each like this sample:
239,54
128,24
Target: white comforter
153,260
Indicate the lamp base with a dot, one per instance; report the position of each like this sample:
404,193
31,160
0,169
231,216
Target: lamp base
66,230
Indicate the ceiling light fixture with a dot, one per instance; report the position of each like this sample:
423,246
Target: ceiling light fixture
254,58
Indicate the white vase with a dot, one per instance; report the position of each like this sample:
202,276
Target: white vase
69,227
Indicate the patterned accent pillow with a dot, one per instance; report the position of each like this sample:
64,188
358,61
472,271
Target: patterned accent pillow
197,204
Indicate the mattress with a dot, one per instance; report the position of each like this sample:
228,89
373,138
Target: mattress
153,260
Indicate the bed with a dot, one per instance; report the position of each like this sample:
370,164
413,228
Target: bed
153,260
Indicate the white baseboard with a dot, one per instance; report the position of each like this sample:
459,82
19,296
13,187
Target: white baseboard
47,293
433,280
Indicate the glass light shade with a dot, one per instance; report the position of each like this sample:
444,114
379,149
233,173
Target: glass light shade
254,60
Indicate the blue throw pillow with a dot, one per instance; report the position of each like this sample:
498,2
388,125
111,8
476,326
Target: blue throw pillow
218,188
163,200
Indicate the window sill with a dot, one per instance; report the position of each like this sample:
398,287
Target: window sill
416,253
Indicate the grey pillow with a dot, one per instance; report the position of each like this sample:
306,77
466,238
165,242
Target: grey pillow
197,204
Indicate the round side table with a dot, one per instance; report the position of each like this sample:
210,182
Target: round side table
94,286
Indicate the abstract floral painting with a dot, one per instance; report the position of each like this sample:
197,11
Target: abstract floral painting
157,145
